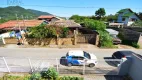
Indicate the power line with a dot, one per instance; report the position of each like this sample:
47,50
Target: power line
75,7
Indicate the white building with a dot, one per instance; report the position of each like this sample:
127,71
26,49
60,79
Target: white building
127,16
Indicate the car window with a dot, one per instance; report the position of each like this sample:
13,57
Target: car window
118,55
87,55
75,57
67,54
80,58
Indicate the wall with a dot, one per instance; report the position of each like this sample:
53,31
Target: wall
135,70
11,40
2,42
140,41
50,41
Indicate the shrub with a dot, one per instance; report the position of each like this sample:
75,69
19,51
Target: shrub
134,44
105,39
71,78
36,76
47,31
51,73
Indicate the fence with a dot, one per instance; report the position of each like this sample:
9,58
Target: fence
11,64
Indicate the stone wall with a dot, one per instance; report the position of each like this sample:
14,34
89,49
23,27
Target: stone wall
49,41
130,35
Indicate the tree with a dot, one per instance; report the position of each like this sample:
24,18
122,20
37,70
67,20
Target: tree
94,24
100,13
78,18
140,15
111,18
99,26
48,31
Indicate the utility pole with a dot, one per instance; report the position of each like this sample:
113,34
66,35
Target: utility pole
18,23
19,27
23,20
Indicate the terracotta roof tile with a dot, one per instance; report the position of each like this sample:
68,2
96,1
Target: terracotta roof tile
46,16
65,23
25,23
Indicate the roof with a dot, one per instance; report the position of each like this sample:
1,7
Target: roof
65,23
22,23
46,16
123,10
75,53
111,31
128,14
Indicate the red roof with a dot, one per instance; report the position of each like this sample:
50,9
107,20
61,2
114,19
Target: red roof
46,17
21,23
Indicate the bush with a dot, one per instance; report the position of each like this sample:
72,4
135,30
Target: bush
71,78
9,77
47,31
130,43
36,76
134,44
51,73
94,24
105,39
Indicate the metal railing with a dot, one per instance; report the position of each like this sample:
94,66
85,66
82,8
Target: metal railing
14,64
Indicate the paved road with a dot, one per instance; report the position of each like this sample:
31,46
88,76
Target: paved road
22,64
55,52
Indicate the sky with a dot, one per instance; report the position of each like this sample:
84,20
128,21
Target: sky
67,8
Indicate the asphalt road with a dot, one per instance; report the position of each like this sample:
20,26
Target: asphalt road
16,60
52,53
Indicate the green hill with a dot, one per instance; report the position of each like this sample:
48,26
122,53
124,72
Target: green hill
9,13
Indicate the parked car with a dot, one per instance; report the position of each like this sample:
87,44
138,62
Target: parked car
79,57
122,54
115,39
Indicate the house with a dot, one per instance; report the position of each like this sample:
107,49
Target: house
67,23
15,24
127,16
49,18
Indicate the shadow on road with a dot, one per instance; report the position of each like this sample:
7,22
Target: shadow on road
63,60
111,61
113,77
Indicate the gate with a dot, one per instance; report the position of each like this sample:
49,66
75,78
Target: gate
86,38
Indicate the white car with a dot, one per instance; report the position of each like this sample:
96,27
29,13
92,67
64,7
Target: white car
79,57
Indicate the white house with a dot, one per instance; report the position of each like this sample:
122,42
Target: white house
127,16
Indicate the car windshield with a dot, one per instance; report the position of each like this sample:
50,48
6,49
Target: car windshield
87,55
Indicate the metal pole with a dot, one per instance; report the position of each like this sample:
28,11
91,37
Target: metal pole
6,64
83,68
30,64
57,65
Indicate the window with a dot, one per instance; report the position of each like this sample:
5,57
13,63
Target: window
80,58
87,55
133,19
123,19
75,57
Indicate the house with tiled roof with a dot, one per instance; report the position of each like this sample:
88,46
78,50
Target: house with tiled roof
15,24
49,18
127,16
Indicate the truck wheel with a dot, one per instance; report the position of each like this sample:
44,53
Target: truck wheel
91,65
69,64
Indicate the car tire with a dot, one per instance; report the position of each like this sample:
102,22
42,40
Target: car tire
91,65
69,64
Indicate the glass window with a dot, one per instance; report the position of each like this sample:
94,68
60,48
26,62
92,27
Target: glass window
80,58
75,58
123,19
87,55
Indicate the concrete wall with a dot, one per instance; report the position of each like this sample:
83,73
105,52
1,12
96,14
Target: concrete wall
135,70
